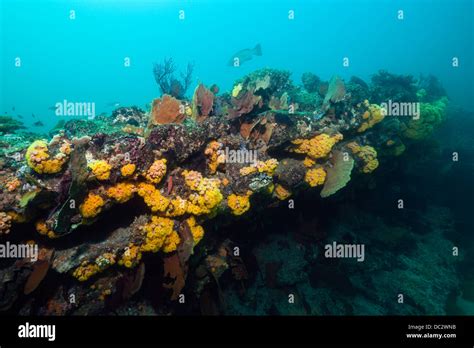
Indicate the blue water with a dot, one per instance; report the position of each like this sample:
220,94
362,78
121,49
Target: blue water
82,59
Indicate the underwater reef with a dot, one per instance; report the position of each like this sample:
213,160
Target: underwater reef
140,211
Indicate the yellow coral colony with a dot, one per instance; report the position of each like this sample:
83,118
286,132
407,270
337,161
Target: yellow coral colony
367,154
131,256
214,155
196,230
315,177
128,169
43,229
153,197
91,206
238,204
267,167
236,90
317,147
100,169
372,116
207,195
160,234
87,270
121,192
157,171
281,192
39,159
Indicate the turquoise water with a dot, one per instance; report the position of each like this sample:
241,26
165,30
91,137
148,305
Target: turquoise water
82,59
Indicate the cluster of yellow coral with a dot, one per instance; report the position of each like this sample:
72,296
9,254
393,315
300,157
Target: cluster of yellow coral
317,147
128,169
196,230
44,230
236,90
160,234
157,171
315,177
207,195
281,192
239,204
12,184
373,115
367,154
5,223
101,169
153,197
121,192
431,115
39,159
177,207
87,270
91,206
214,155
267,167
131,256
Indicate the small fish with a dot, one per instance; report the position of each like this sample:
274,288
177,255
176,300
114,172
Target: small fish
19,116
53,108
13,108
114,104
244,55
38,124
33,115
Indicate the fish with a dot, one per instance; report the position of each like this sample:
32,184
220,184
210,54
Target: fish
19,116
245,55
13,108
33,115
38,124
53,108
114,104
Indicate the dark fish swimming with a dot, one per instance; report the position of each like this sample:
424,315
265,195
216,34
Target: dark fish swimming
244,55
53,108
38,124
